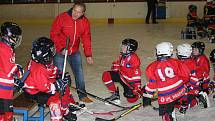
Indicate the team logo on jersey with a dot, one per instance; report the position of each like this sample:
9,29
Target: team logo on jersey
128,65
12,59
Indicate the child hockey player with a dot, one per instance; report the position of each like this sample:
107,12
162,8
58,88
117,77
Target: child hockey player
209,18
10,39
184,52
166,75
44,85
202,64
202,72
192,18
126,71
212,59
194,23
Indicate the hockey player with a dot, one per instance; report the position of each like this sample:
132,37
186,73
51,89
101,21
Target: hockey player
212,59
184,52
209,18
202,72
192,18
202,64
44,85
11,37
126,71
167,76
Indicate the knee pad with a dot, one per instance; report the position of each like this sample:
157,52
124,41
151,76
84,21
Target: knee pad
106,77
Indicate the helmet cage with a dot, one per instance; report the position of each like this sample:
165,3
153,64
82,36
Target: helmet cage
43,50
11,32
131,46
200,46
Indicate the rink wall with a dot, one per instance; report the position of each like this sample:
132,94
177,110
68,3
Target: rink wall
126,12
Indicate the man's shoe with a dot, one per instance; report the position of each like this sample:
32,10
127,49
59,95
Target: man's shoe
86,100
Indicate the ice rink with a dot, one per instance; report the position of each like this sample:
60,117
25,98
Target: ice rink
106,40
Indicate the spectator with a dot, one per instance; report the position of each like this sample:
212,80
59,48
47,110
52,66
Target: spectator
151,11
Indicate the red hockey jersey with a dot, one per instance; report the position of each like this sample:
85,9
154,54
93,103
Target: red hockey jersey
40,78
168,78
129,69
193,81
203,67
7,69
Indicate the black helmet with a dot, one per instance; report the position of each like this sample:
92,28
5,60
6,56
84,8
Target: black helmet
43,50
11,33
192,8
200,46
131,45
212,56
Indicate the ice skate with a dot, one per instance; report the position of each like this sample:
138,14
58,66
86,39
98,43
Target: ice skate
115,98
203,99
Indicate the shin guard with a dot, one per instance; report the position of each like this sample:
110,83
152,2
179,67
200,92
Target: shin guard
55,110
106,77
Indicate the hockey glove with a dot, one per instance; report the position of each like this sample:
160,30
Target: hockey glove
60,86
19,72
67,79
18,84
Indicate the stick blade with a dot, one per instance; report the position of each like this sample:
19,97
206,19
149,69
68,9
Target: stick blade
101,119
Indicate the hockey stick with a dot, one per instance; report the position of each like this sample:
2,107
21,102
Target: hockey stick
131,109
121,115
132,88
65,56
82,110
99,98
64,63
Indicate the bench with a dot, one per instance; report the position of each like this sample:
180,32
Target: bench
22,105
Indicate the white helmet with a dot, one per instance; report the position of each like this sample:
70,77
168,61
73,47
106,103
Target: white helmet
164,49
184,50
209,1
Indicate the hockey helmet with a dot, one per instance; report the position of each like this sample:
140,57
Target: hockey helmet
11,34
131,44
43,50
164,49
184,51
192,8
200,46
212,56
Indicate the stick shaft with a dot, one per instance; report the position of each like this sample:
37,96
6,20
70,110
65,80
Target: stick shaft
99,98
65,57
